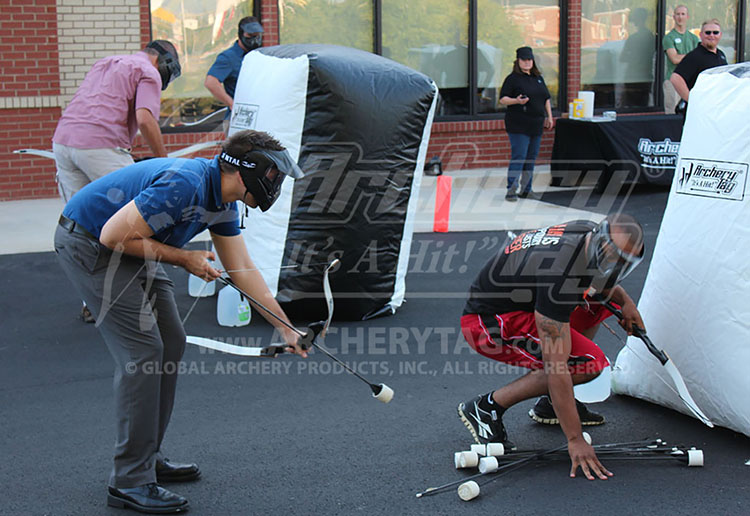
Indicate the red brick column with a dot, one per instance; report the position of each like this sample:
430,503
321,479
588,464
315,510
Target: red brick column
574,50
145,14
269,17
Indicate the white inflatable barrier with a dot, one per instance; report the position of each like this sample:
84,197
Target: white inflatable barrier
696,299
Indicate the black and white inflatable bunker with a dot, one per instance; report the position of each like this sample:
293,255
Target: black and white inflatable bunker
358,125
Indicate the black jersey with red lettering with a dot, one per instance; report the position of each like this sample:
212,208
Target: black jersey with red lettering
544,270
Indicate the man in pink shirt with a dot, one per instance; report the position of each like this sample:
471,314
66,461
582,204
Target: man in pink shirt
119,96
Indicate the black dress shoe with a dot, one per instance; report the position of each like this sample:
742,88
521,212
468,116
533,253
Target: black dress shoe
149,498
168,471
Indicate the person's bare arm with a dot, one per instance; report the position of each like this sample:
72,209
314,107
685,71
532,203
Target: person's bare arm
556,345
680,86
213,85
128,232
234,257
673,56
151,132
549,122
630,312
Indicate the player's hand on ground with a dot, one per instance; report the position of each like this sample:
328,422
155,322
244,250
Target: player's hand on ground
198,264
582,454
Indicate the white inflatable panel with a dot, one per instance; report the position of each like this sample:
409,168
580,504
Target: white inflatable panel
696,299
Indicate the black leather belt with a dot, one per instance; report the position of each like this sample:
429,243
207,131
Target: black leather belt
71,226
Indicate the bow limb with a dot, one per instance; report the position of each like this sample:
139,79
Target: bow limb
232,349
328,295
684,394
664,359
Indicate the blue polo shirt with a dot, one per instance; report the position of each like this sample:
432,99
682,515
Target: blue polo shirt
178,198
227,66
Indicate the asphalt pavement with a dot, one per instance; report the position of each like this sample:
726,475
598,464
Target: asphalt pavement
292,436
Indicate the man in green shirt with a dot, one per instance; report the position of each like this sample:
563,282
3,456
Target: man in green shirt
678,42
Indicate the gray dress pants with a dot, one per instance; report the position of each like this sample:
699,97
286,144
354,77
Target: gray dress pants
135,310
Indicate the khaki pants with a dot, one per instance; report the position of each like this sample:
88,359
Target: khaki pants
671,97
78,167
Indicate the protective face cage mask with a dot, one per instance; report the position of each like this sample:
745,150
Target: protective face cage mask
611,262
263,172
168,64
251,42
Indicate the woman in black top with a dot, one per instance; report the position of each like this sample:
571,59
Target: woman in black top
528,101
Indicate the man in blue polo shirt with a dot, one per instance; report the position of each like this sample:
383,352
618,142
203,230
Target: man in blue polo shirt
221,79
112,238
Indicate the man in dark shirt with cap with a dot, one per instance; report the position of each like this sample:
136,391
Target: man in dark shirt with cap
221,79
704,56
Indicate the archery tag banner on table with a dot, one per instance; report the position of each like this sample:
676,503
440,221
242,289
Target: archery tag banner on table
696,299
358,125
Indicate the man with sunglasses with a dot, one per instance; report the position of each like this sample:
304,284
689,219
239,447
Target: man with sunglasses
704,56
532,306
111,241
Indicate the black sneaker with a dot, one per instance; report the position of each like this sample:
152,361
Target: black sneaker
543,413
483,422
511,195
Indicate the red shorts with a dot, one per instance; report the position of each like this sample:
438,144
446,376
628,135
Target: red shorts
512,338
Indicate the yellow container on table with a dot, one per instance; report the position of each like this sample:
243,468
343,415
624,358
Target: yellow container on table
578,108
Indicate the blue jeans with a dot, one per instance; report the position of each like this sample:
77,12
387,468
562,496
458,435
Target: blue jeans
523,152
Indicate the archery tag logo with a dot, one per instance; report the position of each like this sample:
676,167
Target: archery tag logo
244,116
708,178
656,157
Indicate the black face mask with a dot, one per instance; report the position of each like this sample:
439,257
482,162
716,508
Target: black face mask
252,42
168,64
610,263
255,35
259,174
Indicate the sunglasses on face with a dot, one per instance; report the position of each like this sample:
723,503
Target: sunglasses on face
712,32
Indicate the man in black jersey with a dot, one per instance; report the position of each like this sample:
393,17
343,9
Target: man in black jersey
531,306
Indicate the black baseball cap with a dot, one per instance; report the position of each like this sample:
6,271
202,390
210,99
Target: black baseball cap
524,53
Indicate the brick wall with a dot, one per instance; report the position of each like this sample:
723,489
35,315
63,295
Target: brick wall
23,177
476,144
29,95
269,17
90,30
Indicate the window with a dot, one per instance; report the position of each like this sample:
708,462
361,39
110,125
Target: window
723,10
432,36
618,52
502,27
336,22
200,31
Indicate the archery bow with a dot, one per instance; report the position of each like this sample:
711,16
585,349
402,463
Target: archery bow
318,329
682,390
